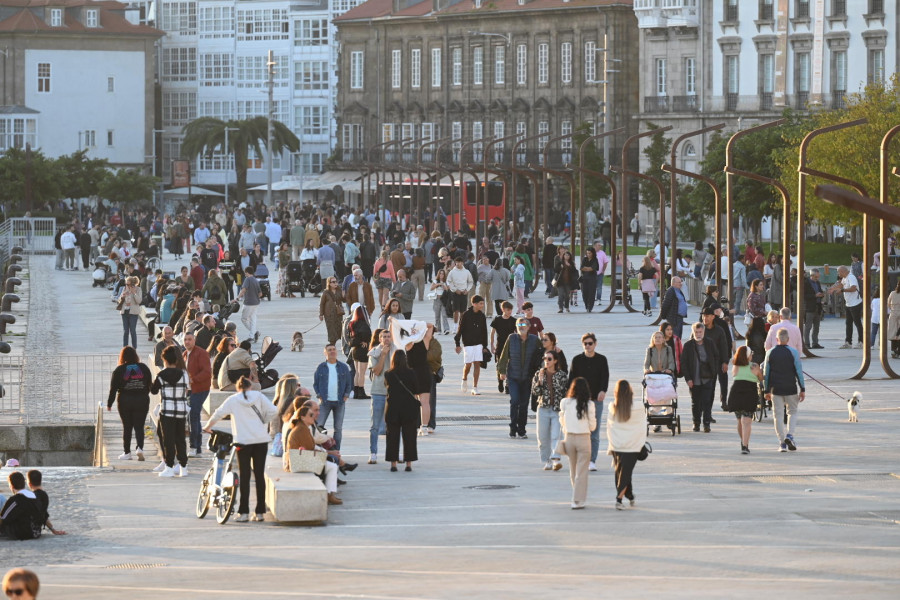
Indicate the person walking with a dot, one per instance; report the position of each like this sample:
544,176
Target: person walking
199,370
519,282
379,361
404,292
438,289
459,282
332,383
250,293
674,306
812,308
472,337
594,368
485,272
499,286
129,308
783,374
577,419
250,413
893,324
603,262
402,414
360,334
515,366
721,338
744,395
130,385
849,286
331,309
566,281
548,387
700,364
626,431
172,385
648,275
589,269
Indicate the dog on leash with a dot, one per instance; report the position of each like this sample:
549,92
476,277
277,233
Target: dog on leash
297,342
852,406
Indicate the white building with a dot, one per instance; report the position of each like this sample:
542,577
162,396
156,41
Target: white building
212,62
77,75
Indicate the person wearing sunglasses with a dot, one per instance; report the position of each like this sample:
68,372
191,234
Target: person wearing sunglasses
21,584
517,366
594,368
331,309
547,390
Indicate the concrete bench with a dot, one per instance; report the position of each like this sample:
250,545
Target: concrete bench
295,497
215,400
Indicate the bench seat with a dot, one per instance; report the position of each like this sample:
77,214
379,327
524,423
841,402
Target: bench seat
295,497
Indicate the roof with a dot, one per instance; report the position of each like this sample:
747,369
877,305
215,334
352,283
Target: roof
18,109
375,9
112,18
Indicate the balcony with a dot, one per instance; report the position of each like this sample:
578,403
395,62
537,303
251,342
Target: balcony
653,14
801,99
838,99
731,101
765,101
656,104
685,103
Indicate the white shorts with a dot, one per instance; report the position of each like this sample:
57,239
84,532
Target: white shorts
473,354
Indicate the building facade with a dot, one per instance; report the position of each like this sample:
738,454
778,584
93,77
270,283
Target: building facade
76,75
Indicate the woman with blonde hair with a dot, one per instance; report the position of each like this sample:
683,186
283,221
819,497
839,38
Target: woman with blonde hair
384,276
285,390
626,430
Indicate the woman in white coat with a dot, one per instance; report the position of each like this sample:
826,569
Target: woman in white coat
626,431
577,419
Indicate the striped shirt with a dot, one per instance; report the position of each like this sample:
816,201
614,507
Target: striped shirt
173,395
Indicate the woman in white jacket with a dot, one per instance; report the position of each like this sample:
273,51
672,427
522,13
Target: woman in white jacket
577,418
626,431
250,414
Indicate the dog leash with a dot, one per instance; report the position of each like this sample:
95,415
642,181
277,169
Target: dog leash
805,374
311,328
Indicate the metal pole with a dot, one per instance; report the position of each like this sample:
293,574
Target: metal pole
514,192
885,231
582,171
270,64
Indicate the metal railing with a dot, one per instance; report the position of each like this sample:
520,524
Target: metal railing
688,103
838,99
35,235
731,11
99,442
87,382
656,104
801,99
765,101
731,101
11,377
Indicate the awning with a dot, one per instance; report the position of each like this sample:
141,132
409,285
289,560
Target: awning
192,191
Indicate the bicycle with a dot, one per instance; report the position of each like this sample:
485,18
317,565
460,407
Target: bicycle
220,484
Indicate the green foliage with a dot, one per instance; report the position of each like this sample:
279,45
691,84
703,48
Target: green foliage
691,214
206,136
658,154
17,167
127,186
595,189
83,176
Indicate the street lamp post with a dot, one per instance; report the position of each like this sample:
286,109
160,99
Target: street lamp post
228,154
606,81
270,64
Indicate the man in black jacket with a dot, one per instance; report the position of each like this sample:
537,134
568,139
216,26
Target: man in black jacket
594,368
472,332
20,517
721,339
547,258
812,307
674,306
700,365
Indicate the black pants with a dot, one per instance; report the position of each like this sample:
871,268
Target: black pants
624,466
133,415
407,429
589,290
257,454
432,402
702,401
174,440
367,266
723,387
499,308
646,301
853,316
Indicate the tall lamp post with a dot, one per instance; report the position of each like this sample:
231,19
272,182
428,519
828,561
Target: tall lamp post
153,133
228,154
270,110
606,81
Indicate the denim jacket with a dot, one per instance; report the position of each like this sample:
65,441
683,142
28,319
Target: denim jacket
320,381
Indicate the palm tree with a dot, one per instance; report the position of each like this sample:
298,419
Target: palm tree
206,135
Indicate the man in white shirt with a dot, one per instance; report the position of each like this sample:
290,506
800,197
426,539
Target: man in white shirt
273,232
795,336
67,243
849,286
459,280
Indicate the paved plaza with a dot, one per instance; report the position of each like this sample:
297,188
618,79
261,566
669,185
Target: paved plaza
478,517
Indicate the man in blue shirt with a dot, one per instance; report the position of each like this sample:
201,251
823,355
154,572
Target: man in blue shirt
674,306
783,373
332,384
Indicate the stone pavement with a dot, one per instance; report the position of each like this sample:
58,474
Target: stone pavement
478,518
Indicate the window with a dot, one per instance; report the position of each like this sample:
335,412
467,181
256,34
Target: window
477,147
179,64
731,81
876,65
89,138
216,22
500,65
435,67
521,132
311,32
499,132
477,65
56,17
247,109
415,68
220,109
171,150
543,128
407,131
839,71
179,18
262,24
565,144
876,7
456,66
521,64
356,70
731,10
92,19
110,84
543,62
456,136
838,8
803,72
216,69
351,136
565,62
803,9
253,71
427,132
590,62
387,132
766,80
311,75
396,64
311,120
110,137
690,76
766,10
342,6
43,78
17,132
179,108
660,74
309,163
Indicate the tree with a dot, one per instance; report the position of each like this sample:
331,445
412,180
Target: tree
127,186
24,171
83,175
658,154
206,136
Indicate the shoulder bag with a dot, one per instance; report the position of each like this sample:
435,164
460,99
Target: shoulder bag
646,451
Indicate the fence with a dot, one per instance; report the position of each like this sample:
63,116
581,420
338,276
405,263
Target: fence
34,234
11,377
86,383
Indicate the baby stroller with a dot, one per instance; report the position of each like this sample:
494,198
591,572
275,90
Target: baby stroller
310,280
268,352
295,277
265,288
632,277
661,401
100,274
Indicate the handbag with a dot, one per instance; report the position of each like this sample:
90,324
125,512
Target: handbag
306,461
277,446
439,375
646,451
121,302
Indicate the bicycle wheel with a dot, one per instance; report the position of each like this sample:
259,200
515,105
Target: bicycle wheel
760,412
153,264
203,497
225,504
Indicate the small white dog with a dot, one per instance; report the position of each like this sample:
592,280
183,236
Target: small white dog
852,406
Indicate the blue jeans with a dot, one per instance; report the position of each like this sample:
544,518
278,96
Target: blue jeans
337,408
548,277
195,401
129,325
548,433
519,397
595,434
600,278
377,428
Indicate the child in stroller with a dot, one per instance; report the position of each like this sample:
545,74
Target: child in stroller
660,395
262,274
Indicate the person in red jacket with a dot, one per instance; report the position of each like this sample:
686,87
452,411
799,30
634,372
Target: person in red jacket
197,273
199,370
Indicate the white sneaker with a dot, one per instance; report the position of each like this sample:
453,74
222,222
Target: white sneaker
160,467
475,392
858,345
167,472
126,456
195,453
592,466
846,346
620,505
464,385
548,466
140,454
177,469
182,472
258,517
373,459
242,518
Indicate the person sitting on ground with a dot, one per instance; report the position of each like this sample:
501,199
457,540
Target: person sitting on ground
20,518
35,479
237,364
301,438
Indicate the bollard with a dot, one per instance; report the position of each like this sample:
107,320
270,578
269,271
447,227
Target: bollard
14,258
16,250
11,283
5,348
4,319
12,270
6,302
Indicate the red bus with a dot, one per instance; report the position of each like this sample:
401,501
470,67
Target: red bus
404,198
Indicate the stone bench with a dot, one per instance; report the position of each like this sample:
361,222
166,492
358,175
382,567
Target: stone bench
215,400
295,497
